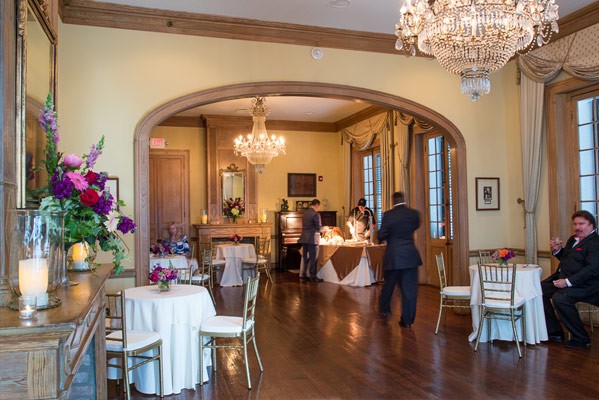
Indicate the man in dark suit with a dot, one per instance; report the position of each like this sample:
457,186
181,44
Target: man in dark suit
576,279
310,238
401,260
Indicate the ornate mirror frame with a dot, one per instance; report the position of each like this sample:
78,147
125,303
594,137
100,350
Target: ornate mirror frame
232,171
28,10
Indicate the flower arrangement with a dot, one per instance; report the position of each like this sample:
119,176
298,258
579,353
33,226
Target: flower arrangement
234,208
163,276
235,238
161,249
91,213
503,255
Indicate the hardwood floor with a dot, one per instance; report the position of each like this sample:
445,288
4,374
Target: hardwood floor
326,341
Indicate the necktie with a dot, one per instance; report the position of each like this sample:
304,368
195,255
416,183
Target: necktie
576,240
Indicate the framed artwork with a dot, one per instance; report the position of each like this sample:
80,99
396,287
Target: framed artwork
301,185
487,194
302,205
112,185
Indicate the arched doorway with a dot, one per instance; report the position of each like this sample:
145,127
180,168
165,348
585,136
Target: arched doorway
154,117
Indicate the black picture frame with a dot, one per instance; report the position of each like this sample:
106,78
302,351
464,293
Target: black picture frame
301,185
487,194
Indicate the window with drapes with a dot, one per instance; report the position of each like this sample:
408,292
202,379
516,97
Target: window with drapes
586,130
440,201
372,186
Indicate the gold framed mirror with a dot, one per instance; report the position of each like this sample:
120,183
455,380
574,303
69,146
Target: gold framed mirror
36,78
233,183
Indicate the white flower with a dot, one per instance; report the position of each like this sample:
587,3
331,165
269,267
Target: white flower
112,221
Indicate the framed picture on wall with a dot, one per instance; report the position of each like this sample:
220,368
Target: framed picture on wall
487,194
301,185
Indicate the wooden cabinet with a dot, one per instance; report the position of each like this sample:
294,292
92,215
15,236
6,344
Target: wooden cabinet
39,359
288,230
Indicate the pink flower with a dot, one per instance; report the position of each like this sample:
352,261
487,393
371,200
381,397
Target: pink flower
78,180
72,160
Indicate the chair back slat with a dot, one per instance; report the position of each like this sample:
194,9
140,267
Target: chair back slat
251,296
441,271
484,257
497,282
116,317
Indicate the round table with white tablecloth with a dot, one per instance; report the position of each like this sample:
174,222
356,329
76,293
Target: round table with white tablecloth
528,286
233,254
176,315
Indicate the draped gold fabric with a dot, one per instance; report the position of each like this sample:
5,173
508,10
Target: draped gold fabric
362,134
577,54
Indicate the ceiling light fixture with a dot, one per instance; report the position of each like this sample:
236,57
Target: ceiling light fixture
473,38
340,3
257,146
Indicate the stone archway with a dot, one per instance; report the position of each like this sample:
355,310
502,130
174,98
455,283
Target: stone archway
154,117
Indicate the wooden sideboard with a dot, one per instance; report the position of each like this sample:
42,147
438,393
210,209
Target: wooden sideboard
212,232
288,231
39,359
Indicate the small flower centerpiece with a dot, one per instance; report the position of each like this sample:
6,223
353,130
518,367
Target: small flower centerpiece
163,276
503,255
235,239
161,249
234,208
91,212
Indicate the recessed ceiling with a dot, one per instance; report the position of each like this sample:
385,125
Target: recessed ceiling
378,16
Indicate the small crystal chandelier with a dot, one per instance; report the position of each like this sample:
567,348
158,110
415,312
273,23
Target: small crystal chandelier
257,146
473,38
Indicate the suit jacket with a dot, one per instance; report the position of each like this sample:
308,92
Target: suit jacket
310,227
580,265
397,229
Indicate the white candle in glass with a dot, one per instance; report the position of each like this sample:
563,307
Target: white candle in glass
204,219
79,255
33,279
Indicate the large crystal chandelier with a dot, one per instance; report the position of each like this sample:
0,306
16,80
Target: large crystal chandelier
473,38
257,146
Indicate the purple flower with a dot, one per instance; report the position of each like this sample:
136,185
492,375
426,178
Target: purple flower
93,156
104,204
101,180
126,225
48,121
61,188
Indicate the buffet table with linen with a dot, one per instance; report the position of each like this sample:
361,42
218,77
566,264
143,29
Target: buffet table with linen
354,265
233,254
528,286
176,315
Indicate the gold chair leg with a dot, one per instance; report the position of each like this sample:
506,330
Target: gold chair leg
439,318
247,364
480,329
160,370
515,334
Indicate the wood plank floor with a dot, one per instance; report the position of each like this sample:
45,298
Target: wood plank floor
326,341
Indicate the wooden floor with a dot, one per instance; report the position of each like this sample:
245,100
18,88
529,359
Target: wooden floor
326,341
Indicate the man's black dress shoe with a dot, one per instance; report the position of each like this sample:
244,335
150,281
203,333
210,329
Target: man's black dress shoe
556,338
304,278
404,325
314,279
576,344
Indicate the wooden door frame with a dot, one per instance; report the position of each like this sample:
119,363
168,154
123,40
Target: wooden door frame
318,89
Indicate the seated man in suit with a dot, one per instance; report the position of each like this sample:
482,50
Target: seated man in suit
576,279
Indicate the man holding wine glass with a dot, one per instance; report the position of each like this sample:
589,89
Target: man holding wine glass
576,279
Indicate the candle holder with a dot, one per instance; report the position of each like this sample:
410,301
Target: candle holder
28,307
204,217
35,256
80,257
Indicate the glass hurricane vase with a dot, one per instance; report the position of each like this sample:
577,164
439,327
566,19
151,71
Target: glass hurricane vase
164,286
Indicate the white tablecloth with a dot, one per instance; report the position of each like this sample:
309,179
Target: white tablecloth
178,261
528,286
176,315
361,275
233,254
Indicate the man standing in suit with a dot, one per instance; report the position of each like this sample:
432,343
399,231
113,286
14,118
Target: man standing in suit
576,279
401,260
310,238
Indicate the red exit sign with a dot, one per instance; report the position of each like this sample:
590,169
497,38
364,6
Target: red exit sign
157,143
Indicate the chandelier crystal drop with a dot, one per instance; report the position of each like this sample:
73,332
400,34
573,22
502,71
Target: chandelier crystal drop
257,146
473,38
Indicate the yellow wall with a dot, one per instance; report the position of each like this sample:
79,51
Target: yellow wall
110,78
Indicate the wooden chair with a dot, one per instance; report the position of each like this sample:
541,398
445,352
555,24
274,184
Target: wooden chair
216,264
262,260
241,328
497,285
590,309
127,347
451,296
484,257
203,275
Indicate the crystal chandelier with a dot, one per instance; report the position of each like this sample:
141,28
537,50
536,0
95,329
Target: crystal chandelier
257,146
473,38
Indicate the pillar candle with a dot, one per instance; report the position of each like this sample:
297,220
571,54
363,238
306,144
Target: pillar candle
79,255
33,279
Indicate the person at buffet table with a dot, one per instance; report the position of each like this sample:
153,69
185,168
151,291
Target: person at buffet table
401,259
360,221
310,238
576,279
